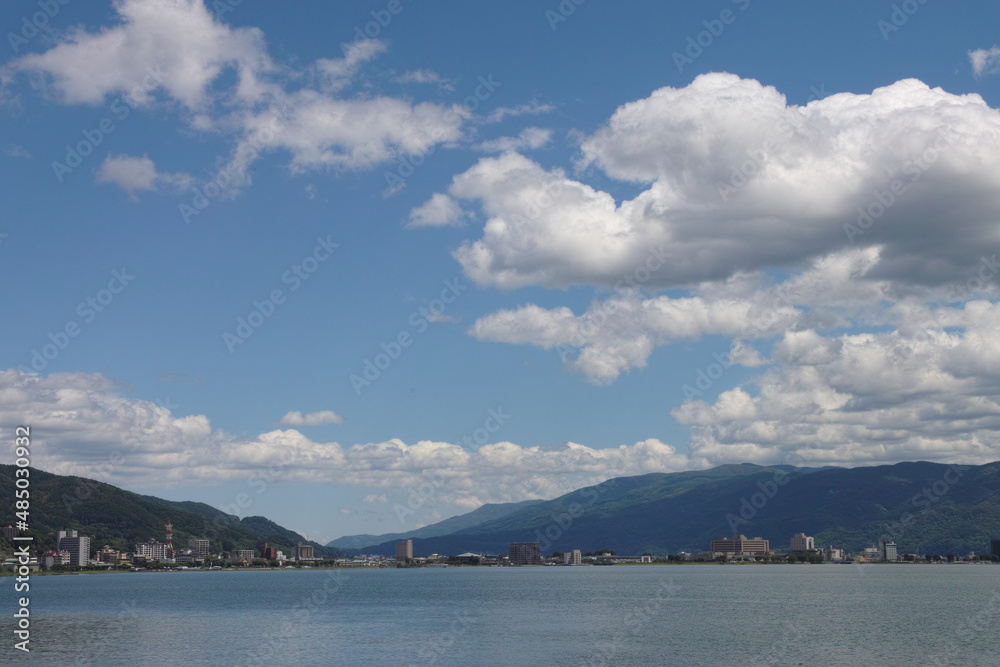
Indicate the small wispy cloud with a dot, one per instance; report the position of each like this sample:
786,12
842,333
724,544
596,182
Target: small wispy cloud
425,76
438,211
296,418
985,61
134,174
530,138
532,108
17,151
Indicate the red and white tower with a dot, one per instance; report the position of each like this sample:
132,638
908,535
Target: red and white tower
170,537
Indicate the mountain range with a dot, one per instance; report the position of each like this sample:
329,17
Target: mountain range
928,508
923,507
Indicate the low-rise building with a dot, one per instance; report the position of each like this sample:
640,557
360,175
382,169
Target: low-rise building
740,545
830,553
242,554
51,558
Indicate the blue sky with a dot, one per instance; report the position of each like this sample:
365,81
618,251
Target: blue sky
876,358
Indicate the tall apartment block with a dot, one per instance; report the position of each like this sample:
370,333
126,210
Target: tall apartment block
524,553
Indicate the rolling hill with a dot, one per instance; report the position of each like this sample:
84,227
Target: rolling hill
110,515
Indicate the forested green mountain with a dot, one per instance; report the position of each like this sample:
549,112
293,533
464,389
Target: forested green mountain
923,507
119,518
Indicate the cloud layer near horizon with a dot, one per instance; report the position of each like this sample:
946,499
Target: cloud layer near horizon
815,411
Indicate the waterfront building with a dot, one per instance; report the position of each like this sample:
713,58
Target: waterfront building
887,551
740,545
802,544
152,550
50,558
78,546
8,533
200,545
573,557
243,554
108,555
831,553
188,556
268,552
404,551
302,552
524,553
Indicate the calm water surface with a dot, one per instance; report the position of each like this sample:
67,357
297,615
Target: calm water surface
648,615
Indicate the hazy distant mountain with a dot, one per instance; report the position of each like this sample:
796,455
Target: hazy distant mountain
113,516
488,512
925,507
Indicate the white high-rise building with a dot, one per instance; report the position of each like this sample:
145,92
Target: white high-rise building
152,550
887,550
573,557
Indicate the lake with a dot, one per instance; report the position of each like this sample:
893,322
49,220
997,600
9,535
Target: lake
620,615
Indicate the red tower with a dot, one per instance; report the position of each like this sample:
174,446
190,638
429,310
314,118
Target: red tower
170,537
